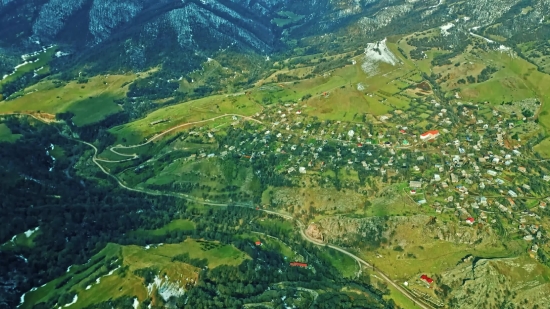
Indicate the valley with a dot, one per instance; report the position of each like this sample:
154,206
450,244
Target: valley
369,154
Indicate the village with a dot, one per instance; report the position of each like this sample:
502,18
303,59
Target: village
471,163
468,162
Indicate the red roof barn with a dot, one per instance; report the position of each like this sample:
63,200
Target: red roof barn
426,279
258,243
298,264
470,220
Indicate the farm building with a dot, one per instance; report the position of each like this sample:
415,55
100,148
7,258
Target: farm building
426,279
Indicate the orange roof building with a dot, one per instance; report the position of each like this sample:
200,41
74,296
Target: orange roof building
432,134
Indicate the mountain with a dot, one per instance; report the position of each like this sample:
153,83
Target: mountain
141,32
144,27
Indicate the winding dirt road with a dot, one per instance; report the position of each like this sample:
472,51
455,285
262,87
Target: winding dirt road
302,227
157,136
420,303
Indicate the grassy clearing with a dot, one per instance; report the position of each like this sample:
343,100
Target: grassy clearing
216,253
344,263
90,102
543,148
56,287
271,243
283,226
399,299
174,226
431,257
39,61
20,241
286,18
6,135
123,281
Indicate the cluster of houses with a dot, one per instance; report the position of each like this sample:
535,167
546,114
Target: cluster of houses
467,164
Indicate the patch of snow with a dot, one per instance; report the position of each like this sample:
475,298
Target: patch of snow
69,268
136,303
73,302
434,6
22,300
88,287
360,87
445,29
165,288
61,54
112,271
376,53
30,232
479,36
23,258
147,247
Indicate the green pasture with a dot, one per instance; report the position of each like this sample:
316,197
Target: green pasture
35,62
176,225
81,279
90,102
6,135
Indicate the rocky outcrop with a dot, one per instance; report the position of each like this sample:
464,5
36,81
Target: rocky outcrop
508,280
314,232
352,231
349,231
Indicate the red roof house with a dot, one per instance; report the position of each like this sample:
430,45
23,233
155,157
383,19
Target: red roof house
470,220
429,135
258,243
298,264
359,145
426,279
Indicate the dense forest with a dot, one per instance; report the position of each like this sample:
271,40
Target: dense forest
76,216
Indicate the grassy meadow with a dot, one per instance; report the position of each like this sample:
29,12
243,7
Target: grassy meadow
94,283
90,102
174,226
38,62
192,111
6,135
